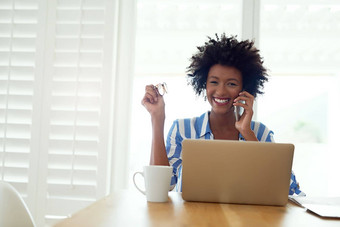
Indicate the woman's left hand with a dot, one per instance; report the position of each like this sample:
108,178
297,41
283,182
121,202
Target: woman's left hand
246,101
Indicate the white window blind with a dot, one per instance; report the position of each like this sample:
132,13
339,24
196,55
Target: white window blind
55,95
18,36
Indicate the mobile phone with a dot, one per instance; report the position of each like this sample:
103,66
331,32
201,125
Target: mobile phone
238,112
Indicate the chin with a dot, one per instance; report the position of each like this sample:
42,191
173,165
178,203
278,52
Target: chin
220,110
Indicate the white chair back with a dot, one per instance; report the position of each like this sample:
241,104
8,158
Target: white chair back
13,210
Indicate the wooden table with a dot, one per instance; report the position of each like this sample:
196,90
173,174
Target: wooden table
130,208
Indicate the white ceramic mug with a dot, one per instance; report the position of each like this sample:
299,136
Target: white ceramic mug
157,182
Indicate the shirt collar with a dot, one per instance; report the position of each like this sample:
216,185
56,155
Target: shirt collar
204,121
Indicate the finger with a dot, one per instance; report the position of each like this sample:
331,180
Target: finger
240,104
149,87
243,100
246,94
145,101
151,90
149,98
245,97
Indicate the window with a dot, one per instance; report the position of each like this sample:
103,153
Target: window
299,43
56,63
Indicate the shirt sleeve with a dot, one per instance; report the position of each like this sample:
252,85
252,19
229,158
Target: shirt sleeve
174,152
294,186
270,137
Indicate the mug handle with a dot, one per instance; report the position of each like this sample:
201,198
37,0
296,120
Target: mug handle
135,181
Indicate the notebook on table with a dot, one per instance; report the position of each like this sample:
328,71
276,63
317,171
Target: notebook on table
239,172
326,207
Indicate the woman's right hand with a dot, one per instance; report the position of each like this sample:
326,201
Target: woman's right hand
153,102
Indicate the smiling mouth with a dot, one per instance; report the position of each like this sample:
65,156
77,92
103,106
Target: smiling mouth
221,100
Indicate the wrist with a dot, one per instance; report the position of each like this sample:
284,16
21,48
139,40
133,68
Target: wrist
249,135
157,119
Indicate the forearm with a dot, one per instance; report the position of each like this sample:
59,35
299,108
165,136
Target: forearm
249,135
158,152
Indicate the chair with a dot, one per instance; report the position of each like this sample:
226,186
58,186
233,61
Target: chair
13,210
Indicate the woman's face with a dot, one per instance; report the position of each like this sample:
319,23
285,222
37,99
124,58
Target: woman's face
224,84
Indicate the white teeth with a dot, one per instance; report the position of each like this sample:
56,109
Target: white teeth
221,100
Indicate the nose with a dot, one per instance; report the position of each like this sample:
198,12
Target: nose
221,90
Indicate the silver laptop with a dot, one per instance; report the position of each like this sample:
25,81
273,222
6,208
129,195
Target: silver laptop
239,172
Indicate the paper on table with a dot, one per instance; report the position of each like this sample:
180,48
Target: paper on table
322,206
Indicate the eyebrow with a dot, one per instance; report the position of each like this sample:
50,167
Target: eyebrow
215,77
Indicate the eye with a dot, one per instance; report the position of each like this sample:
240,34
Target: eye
231,84
213,82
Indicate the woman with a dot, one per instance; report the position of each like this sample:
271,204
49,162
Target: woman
229,74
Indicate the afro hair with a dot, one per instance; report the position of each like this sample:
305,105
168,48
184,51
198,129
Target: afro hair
228,51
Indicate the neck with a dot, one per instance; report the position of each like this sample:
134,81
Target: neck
222,122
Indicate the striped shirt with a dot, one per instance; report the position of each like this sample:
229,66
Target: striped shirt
199,128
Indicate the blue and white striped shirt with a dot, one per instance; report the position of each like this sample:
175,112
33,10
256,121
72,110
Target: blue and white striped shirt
199,128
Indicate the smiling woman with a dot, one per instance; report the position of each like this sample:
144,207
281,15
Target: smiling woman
213,67
301,97
221,68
